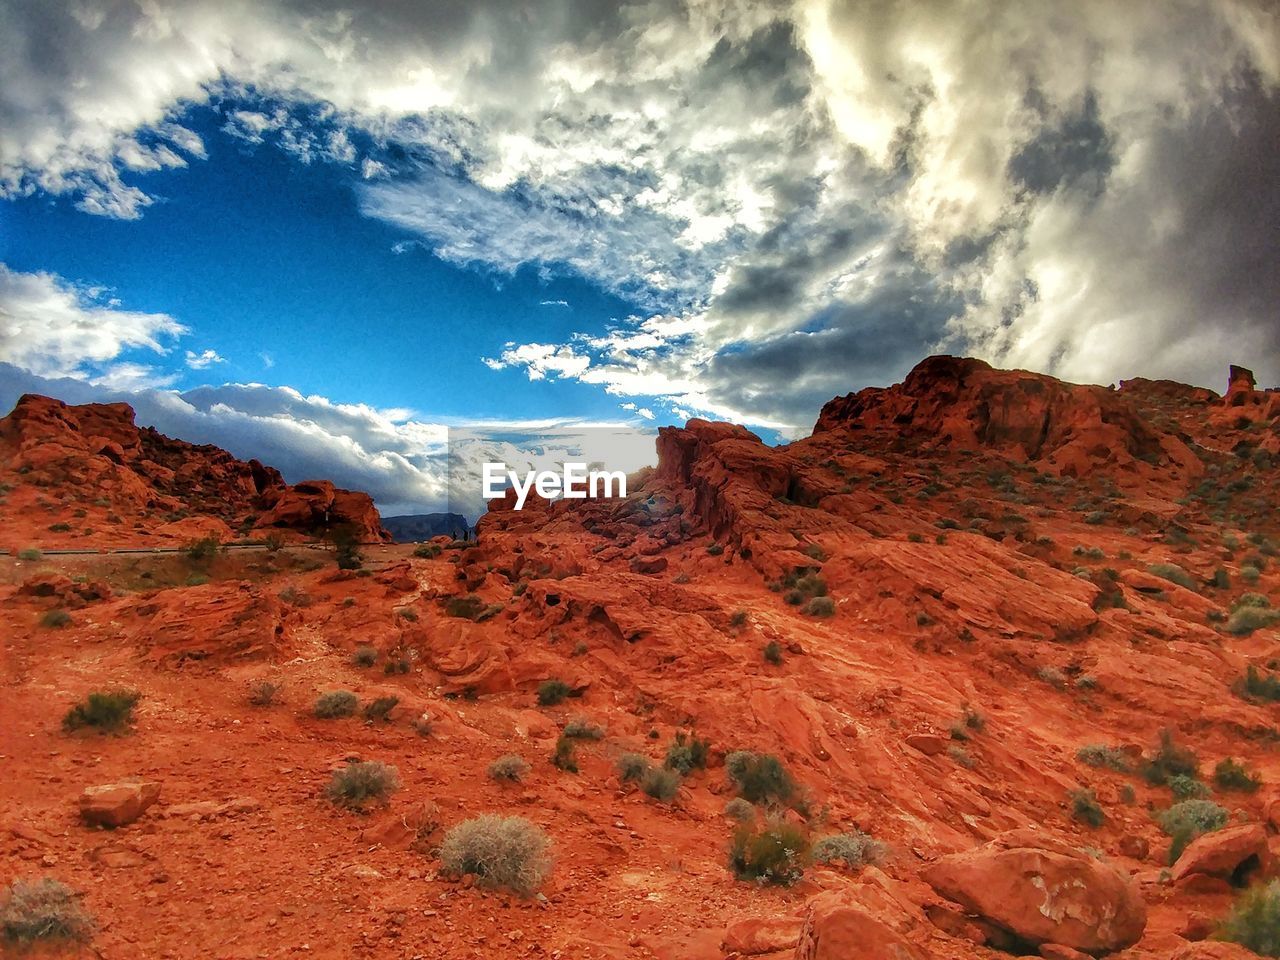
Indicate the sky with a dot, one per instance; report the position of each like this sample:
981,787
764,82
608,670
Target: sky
322,234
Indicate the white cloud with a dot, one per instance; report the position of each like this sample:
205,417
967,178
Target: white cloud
56,329
204,359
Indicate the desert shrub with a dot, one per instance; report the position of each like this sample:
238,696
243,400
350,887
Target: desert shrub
793,597
364,656
759,777
1251,600
1187,788
1185,821
815,551
197,580
1229,775
1221,579
346,547
1250,574
44,909
469,607
773,653
1256,685
1052,676
426,551
687,753
660,783
738,619
274,542
357,784
854,849
505,852
715,549
202,550
510,768
380,709
59,528
55,619
740,810
961,756
407,613
820,607
775,853
1245,620
29,553
580,728
632,766
564,757
812,585
108,711
973,719
553,691
264,693
1170,760
336,703
1085,808
1254,920
1174,574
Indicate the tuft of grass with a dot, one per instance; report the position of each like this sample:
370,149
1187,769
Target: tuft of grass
336,703
660,783
43,910
364,656
854,849
509,769
1170,760
563,757
687,753
1174,574
632,767
55,619
380,709
1111,758
1085,808
740,810
774,853
773,653
552,692
1185,821
580,728
1254,920
358,784
1229,775
107,711
264,693
759,777
509,853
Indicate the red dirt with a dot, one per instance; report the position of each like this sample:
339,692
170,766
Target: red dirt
985,536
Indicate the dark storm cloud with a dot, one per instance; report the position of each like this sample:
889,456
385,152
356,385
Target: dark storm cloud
1075,150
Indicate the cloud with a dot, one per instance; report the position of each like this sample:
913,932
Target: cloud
798,198
553,303
58,329
204,359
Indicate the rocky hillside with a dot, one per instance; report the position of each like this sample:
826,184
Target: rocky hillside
87,476
983,667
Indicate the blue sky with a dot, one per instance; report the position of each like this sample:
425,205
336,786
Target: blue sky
321,233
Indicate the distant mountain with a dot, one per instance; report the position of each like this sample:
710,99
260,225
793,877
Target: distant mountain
424,526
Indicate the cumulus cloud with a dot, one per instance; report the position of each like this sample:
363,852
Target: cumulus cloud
58,329
799,197
204,359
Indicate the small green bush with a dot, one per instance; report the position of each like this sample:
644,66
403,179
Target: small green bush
1185,821
564,755
1187,788
581,728
336,703
108,711
775,853
1229,775
854,849
773,653
759,777
1250,574
820,607
740,810
511,769
1170,760
29,553
1174,574
552,692
202,550
1101,755
380,709
738,619
1254,920
1245,620
55,619
660,783
1085,808
632,766
357,784
364,656
43,910
505,852
264,693
426,551
1256,685
469,607
686,754
715,550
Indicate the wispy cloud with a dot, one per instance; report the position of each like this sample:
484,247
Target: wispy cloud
204,359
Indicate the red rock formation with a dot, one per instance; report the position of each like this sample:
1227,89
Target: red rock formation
129,480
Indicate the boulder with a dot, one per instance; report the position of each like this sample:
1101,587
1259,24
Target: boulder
837,927
117,804
753,936
1212,950
1236,854
1043,892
